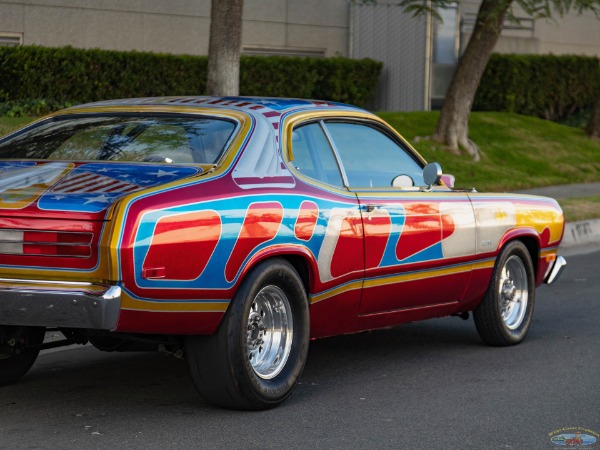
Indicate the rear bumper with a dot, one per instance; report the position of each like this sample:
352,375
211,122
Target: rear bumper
555,270
59,304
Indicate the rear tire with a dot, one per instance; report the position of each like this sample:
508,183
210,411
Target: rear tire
504,315
255,359
13,366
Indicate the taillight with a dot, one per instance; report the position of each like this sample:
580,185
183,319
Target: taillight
46,243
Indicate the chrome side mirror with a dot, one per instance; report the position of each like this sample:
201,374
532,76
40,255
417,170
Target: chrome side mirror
432,174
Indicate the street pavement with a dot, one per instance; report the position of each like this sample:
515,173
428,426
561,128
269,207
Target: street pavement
426,385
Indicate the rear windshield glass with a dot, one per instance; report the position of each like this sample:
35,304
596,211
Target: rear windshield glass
160,139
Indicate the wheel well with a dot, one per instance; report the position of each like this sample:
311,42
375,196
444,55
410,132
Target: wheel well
301,267
533,248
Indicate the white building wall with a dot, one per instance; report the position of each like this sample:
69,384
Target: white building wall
176,26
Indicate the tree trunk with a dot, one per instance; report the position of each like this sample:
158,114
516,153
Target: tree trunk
593,128
453,125
224,47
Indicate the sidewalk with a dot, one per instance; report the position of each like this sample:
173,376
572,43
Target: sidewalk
579,236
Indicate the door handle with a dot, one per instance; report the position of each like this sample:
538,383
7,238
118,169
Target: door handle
371,207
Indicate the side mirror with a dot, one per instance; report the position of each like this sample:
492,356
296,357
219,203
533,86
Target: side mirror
432,174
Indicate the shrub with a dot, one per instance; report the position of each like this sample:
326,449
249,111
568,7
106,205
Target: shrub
69,75
547,86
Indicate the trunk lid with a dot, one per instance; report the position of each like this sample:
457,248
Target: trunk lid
77,190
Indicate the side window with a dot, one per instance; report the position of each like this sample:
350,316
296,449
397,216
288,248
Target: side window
313,155
371,158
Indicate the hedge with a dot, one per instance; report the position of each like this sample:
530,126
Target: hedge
547,86
69,75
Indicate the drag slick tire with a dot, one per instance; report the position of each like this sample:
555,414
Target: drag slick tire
256,357
504,315
15,357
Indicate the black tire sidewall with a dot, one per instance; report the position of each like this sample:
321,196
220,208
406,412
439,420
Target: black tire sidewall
488,315
15,367
259,391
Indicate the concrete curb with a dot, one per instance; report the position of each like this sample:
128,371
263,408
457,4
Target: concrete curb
581,233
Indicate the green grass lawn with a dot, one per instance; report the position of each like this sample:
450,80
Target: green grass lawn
8,124
518,152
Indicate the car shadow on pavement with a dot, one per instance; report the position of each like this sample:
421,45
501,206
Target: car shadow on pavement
88,378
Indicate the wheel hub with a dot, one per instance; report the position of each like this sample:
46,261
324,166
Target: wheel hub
270,332
513,291
256,330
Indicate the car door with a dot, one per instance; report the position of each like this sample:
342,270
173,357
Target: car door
337,240
418,242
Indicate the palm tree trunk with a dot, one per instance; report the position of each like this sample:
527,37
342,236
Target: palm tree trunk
224,47
453,124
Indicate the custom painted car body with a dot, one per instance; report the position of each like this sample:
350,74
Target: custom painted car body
162,248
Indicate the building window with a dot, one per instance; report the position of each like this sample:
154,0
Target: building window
445,53
283,51
445,46
10,39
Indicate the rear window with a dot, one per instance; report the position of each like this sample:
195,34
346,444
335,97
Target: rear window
160,139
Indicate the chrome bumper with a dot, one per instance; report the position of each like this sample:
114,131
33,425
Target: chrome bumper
59,304
556,270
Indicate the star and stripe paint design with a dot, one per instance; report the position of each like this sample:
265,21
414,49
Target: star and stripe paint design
84,188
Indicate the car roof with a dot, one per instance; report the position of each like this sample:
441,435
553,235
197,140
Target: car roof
257,106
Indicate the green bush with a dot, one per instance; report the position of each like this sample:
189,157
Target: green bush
36,107
547,86
68,75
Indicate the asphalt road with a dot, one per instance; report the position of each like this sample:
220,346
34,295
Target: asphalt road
428,385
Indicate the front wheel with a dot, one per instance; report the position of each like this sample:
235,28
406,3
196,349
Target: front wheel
504,315
19,348
255,359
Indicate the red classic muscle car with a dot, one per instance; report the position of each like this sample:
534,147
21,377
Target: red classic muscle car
234,230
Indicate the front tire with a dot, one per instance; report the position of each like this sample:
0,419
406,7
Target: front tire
255,359
14,365
504,315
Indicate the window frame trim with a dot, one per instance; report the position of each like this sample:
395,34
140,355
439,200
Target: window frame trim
352,116
336,154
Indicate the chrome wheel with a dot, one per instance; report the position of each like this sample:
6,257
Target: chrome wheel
504,315
270,332
513,292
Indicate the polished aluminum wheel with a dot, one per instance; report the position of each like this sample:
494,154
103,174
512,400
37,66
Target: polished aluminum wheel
513,292
270,332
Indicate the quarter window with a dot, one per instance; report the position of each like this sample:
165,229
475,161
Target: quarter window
313,156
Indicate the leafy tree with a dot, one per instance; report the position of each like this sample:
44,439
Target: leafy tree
452,127
224,47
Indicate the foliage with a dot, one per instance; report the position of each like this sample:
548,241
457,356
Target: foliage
68,75
37,107
278,76
548,86
343,80
537,9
